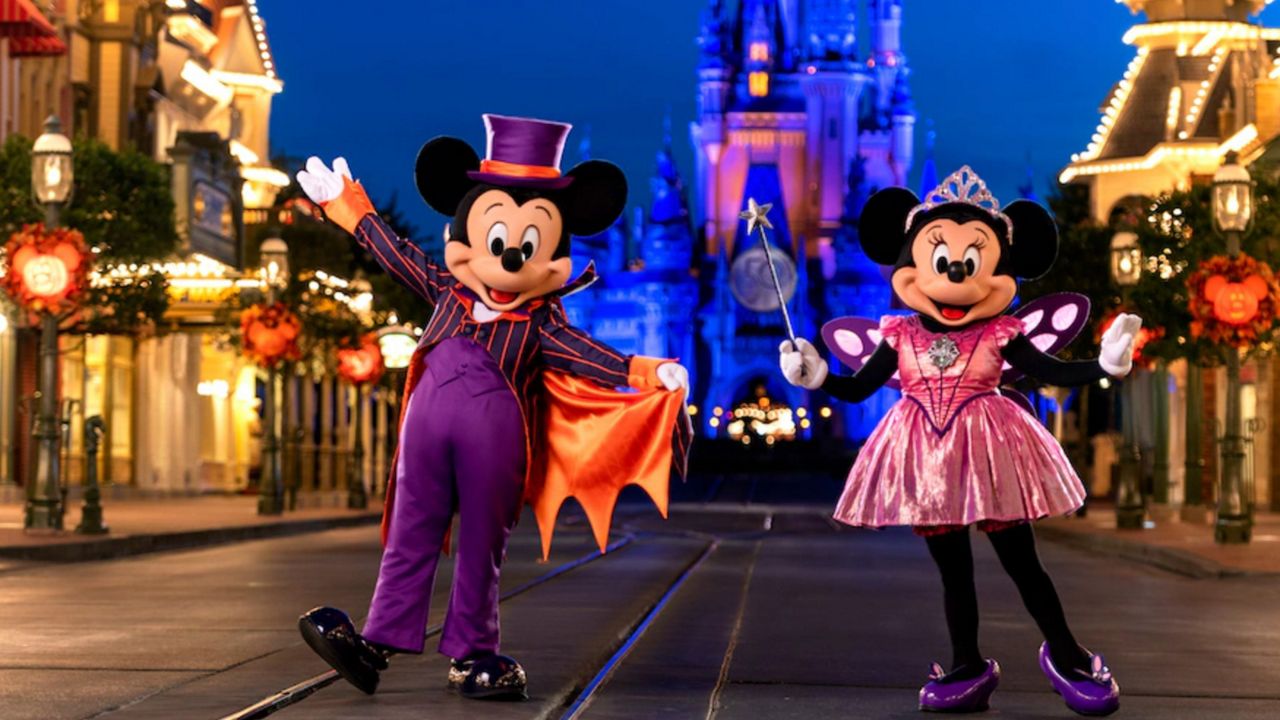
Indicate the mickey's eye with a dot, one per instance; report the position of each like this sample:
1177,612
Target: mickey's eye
941,259
529,242
972,261
497,240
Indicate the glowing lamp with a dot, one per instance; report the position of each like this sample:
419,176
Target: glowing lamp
51,169
1126,259
396,344
1232,196
1235,303
273,257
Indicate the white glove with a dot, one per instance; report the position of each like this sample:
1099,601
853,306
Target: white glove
1117,345
674,377
320,183
803,367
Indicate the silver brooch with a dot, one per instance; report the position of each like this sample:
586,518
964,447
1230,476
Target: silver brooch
943,352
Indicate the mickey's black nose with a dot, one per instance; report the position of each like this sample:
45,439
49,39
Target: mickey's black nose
955,271
513,260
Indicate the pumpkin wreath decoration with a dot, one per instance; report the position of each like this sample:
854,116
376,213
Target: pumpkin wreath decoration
48,268
1232,300
360,365
270,334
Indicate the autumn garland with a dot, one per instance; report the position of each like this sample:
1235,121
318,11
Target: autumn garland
1221,273
48,269
269,334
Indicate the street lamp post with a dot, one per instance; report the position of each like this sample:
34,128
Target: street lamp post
51,179
1126,270
1232,211
274,260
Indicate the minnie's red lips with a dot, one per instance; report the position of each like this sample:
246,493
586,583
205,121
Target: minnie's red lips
502,297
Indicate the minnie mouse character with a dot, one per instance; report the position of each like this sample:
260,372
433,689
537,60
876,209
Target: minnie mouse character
505,400
954,451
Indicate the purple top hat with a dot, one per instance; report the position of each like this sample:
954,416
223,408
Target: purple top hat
523,152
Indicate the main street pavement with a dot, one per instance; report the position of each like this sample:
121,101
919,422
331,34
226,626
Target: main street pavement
734,609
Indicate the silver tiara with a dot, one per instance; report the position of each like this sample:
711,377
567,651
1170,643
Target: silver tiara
962,186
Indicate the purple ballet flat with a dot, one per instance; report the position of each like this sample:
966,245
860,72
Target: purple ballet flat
1092,693
959,696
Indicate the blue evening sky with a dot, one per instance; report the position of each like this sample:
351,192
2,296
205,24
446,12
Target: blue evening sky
1005,82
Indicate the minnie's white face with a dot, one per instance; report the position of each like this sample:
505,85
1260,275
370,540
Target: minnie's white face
952,277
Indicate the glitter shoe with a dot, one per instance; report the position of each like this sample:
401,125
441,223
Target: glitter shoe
959,696
1087,693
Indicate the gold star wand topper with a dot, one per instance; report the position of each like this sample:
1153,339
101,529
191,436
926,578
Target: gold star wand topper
756,217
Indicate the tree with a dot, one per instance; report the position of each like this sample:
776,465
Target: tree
1083,264
123,205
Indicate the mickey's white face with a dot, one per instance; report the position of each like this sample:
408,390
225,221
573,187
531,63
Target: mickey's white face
952,277
508,259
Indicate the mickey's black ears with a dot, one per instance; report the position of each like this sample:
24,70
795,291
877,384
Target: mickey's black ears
1034,241
441,173
882,228
595,199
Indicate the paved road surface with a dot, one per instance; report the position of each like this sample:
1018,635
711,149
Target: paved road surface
728,611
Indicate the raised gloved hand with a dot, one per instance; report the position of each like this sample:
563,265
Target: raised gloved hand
1116,356
345,203
802,365
674,377
320,183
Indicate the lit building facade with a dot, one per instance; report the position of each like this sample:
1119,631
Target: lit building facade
789,113
1204,81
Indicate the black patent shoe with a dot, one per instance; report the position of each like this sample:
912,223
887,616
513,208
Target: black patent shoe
333,637
495,677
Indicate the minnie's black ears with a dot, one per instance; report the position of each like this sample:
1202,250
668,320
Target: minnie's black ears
882,228
595,198
1034,242
441,173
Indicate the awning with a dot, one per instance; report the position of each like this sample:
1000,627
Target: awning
29,32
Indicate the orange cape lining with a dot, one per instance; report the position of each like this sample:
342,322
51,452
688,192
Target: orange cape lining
596,441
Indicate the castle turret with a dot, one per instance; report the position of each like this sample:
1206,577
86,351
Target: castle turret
667,243
929,171
760,47
831,33
903,114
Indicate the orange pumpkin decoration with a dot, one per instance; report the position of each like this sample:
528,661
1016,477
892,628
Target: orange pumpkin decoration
48,269
1232,300
361,365
269,334
1235,303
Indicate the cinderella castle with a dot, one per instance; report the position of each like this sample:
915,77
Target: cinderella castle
790,112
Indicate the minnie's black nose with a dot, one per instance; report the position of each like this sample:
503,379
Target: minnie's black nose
512,260
955,271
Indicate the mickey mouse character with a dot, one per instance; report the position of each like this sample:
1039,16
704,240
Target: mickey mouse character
954,452
505,400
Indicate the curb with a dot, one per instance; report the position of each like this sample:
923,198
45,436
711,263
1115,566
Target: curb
1172,560
116,547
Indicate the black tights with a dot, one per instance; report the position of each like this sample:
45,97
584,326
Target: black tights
1016,548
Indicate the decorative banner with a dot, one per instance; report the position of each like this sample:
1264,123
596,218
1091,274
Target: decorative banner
1232,300
48,269
1145,335
269,334
361,365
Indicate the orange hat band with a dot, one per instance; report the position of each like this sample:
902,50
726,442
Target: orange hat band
497,167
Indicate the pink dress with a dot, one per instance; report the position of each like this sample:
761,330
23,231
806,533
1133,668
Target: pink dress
953,450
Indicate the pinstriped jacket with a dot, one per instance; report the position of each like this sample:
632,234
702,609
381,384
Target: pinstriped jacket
522,341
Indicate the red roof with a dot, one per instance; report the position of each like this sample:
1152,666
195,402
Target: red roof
29,32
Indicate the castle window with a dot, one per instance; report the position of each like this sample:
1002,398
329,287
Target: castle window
758,84
759,51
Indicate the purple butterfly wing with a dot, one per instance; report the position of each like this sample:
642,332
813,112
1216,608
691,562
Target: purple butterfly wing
1050,323
853,339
